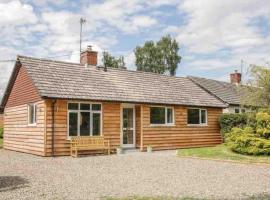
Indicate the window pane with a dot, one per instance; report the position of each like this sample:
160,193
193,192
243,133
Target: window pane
237,110
31,114
73,106
193,116
73,124
169,115
85,106
243,110
128,118
203,116
157,115
128,136
96,124
35,114
96,107
85,124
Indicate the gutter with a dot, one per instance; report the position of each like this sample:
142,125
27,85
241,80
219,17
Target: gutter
53,127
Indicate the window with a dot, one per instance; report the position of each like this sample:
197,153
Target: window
197,116
161,116
32,114
237,110
84,119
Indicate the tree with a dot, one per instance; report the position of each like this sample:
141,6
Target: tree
149,58
169,49
110,61
258,94
161,57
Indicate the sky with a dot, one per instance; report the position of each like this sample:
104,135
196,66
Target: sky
214,36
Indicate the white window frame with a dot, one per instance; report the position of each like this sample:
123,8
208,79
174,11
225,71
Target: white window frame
200,117
34,115
91,117
166,108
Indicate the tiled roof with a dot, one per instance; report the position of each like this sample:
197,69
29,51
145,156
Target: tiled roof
228,92
55,79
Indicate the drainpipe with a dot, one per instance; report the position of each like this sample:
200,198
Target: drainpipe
53,105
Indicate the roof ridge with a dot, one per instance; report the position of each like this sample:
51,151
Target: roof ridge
117,69
210,79
46,59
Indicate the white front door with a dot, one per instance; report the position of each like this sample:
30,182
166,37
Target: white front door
128,126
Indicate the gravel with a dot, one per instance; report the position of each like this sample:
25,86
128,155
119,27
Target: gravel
24,176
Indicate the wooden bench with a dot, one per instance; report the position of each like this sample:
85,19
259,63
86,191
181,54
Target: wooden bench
83,143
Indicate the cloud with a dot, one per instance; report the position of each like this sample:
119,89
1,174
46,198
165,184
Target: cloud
15,13
125,18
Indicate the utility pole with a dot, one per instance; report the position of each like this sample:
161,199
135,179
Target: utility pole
82,21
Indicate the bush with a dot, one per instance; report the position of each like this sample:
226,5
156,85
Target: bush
1,132
244,141
254,138
263,124
228,121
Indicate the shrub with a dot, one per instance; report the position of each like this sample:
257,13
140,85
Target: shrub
1,132
244,141
228,121
254,138
263,124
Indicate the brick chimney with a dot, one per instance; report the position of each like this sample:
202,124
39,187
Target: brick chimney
236,77
89,56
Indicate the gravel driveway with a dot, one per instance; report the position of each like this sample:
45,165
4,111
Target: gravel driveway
24,176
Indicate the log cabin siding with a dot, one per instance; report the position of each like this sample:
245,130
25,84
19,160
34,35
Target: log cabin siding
18,135
180,135
23,90
159,137
138,125
110,126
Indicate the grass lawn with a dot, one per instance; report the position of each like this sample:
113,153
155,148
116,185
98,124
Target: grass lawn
221,152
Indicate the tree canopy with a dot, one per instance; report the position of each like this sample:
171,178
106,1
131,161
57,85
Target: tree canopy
259,92
160,57
110,61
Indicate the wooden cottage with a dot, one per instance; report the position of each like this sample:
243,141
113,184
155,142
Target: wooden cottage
47,102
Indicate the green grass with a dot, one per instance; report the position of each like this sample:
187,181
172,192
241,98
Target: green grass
222,152
1,142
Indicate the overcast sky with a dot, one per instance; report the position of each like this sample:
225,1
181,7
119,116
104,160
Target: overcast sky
213,35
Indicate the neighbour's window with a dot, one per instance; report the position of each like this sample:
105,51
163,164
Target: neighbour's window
161,115
197,116
243,110
84,119
237,110
32,114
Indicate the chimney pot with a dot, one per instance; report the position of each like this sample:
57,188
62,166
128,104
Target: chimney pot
88,56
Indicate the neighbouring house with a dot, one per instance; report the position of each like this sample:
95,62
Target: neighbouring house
46,102
230,93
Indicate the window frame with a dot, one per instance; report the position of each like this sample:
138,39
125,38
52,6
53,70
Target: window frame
34,114
78,111
166,117
200,117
